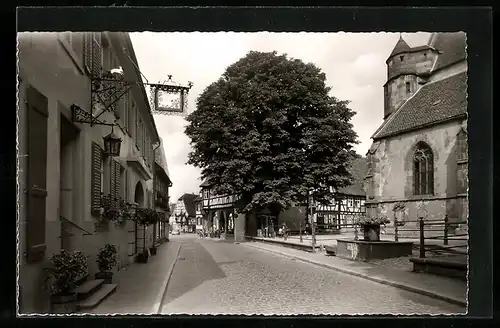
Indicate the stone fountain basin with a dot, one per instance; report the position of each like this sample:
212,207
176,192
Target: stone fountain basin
364,250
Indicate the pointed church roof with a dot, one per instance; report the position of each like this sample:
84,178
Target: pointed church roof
400,47
451,46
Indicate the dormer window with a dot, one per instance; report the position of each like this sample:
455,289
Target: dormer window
408,87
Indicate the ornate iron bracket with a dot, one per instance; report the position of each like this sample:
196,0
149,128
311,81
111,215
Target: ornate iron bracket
107,90
79,115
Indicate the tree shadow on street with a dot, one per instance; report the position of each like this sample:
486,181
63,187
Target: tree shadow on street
194,267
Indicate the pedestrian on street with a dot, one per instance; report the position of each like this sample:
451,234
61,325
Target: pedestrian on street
285,231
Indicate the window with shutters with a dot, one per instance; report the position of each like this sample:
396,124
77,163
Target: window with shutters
146,148
139,132
106,56
117,192
37,107
143,145
131,116
97,179
112,182
125,110
124,184
96,54
87,51
93,53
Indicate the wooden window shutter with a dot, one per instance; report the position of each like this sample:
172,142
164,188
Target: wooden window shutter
118,188
125,187
87,51
130,115
112,179
37,174
96,54
125,109
95,191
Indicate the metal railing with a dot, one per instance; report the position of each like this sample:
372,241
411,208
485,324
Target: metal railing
73,224
445,237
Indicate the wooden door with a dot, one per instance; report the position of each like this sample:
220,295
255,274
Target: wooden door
37,174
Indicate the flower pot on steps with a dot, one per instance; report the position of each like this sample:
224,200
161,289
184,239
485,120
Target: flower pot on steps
63,303
106,276
142,257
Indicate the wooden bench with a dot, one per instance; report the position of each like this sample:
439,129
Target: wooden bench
439,266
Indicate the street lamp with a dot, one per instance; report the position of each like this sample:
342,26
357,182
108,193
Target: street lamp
112,144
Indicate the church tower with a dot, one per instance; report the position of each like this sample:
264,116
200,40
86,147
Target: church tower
407,70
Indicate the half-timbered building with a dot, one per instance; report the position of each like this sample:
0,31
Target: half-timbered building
221,214
219,211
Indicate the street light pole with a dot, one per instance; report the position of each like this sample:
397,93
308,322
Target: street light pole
313,236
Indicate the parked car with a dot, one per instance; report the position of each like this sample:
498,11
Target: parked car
176,232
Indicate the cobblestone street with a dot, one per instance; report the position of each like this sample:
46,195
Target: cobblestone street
213,277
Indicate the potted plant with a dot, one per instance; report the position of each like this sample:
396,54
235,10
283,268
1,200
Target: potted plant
106,261
371,227
67,269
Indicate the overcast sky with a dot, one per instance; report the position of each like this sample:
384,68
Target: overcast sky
354,64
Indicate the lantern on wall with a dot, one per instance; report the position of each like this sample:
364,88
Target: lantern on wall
112,144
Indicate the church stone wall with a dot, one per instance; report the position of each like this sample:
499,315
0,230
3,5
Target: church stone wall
392,179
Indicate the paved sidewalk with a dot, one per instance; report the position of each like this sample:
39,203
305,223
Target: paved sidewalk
451,290
141,285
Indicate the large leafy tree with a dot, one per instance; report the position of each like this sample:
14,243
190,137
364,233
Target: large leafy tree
269,130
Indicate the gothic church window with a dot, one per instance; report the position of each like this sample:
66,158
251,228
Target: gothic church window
423,170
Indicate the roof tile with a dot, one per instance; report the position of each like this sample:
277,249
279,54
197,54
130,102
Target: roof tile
358,169
452,48
434,102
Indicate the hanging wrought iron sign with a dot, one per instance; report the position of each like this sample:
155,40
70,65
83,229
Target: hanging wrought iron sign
169,98
110,86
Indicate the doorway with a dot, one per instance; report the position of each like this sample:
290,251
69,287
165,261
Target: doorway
68,136
138,229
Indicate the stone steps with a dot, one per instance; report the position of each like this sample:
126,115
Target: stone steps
91,293
87,288
97,297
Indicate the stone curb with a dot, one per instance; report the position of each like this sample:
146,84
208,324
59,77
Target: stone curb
158,305
383,281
